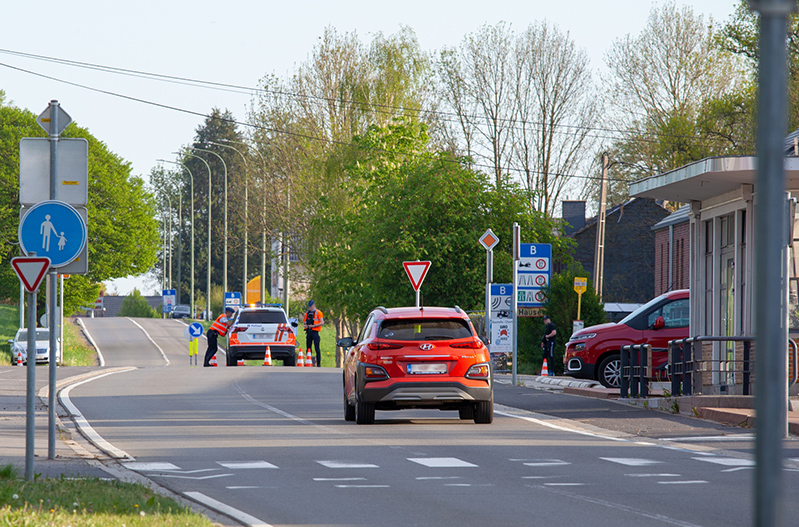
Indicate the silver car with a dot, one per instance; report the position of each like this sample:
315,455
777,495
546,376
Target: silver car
19,345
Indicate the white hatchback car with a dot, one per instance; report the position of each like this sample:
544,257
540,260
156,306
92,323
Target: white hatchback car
19,346
255,328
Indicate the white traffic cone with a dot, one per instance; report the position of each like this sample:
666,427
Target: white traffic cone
19,358
308,359
544,370
300,359
268,357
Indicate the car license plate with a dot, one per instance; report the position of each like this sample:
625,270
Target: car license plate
427,368
259,336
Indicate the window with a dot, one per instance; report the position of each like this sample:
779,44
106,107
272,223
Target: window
261,317
426,329
675,314
366,329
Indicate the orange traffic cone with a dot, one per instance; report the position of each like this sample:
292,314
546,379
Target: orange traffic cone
308,359
19,358
240,362
544,370
268,357
212,362
300,359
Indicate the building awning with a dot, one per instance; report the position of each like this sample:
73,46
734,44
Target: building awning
708,178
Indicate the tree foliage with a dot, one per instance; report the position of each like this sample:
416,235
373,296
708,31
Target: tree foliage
135,305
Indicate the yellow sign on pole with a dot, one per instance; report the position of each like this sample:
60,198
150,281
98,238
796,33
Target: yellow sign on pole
580,286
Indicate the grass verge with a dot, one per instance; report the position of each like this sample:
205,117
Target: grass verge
89,502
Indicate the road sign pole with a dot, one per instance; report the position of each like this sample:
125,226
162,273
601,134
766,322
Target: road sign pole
30,396
489,280
515,297
55,132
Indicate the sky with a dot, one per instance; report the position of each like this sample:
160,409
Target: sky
238,42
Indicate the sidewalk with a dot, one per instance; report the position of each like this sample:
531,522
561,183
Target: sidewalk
736,410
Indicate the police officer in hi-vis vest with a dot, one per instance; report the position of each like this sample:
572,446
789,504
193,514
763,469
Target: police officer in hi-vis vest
313,324
217,329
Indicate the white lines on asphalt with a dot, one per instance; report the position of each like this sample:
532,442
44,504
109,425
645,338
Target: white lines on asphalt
246,487
617,506
151,340
539,477
243,517
84,426
339,479
437,477
345,464
736,469
727,461
736,437
198,478
93,343
545,463
689,482
441,462
631,461
564,484
278,411
652,475
233,465
362,486
140,466
561,428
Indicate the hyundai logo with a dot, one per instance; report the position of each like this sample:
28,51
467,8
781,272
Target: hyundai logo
426,346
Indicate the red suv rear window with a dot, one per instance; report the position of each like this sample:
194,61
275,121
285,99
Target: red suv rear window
425,329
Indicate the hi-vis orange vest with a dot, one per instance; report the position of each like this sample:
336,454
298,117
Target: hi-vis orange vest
220,325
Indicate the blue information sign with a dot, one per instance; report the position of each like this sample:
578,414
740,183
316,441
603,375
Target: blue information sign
53,229
535,272
168,298
233,300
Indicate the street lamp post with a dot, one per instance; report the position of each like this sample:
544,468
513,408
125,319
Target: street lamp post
191,177
246,202
224,251
208,286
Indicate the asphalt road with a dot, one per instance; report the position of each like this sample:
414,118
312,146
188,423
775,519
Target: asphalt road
269,446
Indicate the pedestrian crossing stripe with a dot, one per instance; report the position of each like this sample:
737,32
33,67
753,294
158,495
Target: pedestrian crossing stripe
631,461
245,464
441,462
727,461
345,464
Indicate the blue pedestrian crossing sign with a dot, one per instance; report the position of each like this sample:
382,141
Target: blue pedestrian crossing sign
53,229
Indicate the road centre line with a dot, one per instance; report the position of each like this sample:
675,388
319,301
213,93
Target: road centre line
92,342
278,411
243,517
151,340
84,426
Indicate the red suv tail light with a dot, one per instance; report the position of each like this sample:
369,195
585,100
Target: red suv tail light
239,329
383,346
479,371
373,373
472,344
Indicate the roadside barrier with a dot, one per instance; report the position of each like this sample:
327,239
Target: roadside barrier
635,370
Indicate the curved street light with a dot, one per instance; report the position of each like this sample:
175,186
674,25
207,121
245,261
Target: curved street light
224,253
191,176
208,286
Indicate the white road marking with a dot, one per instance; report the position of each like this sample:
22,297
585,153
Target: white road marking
564,484
246,487
284,414
339,479
141,466
84,426
690,482
546,463
631,461
438,477
652,475
243,517
362,486
727,461
233,465
737,437
93,343
561,428
736,469
345,464
198,478
441,462
151,340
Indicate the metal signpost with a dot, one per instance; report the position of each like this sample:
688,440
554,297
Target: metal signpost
535,273
580,287
489,240
515,299
31,271
416,272
501,329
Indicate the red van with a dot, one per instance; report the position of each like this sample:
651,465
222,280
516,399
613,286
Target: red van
593,352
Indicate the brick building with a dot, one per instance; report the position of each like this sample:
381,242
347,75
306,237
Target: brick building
672,251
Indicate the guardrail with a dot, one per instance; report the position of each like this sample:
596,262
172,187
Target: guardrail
684,366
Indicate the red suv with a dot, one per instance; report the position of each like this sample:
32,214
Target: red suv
417,357
593,352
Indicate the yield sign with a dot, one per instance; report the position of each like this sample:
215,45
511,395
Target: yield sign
416,272
31,270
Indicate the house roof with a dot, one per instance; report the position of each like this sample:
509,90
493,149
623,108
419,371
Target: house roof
591,222
680,215
707,178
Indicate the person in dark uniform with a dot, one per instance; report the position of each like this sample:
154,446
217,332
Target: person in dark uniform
217,329
548,344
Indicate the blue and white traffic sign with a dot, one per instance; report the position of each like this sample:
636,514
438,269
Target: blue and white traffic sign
233,300
501,301
53,229
193,331
535,272
168,299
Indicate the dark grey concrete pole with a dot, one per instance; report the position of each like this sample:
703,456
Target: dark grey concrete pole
770,242
52,285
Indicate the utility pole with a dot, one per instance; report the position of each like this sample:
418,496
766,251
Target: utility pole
599,250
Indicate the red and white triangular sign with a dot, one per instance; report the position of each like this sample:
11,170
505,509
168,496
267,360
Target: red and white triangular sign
31,270
416,272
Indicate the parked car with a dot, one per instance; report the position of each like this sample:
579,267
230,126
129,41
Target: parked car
181,311
19,345
594,352
255,328
411,357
